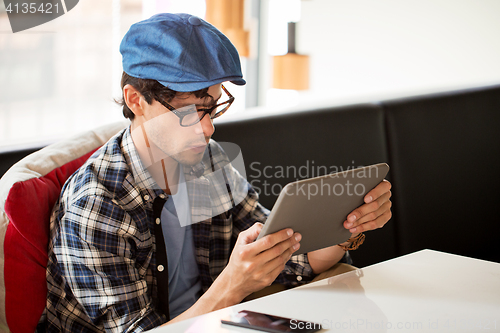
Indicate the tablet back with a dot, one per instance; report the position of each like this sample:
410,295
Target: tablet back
317,207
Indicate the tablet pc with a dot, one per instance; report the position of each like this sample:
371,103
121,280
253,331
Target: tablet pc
317,207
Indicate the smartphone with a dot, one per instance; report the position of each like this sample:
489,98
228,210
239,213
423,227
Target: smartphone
268,323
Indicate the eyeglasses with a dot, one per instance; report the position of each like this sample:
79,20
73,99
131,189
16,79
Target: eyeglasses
190,115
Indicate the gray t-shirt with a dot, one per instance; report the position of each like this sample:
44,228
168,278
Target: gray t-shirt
183,275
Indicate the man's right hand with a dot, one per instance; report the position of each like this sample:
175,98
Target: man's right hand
254,265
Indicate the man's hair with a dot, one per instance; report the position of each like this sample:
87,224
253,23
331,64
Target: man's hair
152,89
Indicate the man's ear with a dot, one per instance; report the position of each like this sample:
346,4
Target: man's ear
134,100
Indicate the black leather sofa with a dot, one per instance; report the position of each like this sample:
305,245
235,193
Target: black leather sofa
444,153
445,156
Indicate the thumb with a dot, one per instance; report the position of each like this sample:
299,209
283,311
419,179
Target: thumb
250,235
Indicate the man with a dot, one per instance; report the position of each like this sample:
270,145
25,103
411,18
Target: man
158,226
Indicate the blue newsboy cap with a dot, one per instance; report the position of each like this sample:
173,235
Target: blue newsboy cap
181,51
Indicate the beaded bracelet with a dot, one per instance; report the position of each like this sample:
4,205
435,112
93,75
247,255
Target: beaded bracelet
355,242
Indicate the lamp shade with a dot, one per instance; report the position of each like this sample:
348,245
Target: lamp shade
229,17
291,71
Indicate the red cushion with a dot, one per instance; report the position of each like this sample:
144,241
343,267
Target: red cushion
28,207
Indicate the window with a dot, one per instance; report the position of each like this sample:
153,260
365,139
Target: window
61,77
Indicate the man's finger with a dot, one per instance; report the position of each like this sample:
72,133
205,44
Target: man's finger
366,209
267,242
386,205
291,243
276,265
271,240
368,220
250,235
371,210
381,188
379,222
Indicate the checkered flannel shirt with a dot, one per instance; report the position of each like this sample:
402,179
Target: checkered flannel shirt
101,267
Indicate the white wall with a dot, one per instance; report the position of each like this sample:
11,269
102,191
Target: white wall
362,50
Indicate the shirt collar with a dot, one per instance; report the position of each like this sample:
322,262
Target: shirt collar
142,178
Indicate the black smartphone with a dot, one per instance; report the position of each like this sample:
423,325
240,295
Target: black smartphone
268,323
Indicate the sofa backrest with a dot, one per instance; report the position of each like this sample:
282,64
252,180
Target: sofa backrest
10,157
445,157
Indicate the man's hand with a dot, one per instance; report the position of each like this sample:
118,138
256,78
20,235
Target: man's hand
254,265
374,213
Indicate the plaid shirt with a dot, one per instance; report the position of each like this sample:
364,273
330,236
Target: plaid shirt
101,272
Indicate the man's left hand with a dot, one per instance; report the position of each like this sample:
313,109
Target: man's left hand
374,213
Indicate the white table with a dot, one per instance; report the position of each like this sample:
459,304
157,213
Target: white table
426,291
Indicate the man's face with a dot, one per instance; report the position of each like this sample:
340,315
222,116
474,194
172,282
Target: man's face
162,128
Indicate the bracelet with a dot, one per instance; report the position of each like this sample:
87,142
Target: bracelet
355,242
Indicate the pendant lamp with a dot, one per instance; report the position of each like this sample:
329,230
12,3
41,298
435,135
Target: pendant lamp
291,71
229,17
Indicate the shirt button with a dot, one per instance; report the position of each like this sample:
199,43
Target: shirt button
162,196
146,197
158,221
160,268
299,278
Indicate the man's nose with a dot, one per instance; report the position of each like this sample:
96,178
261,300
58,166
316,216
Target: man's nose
206,127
